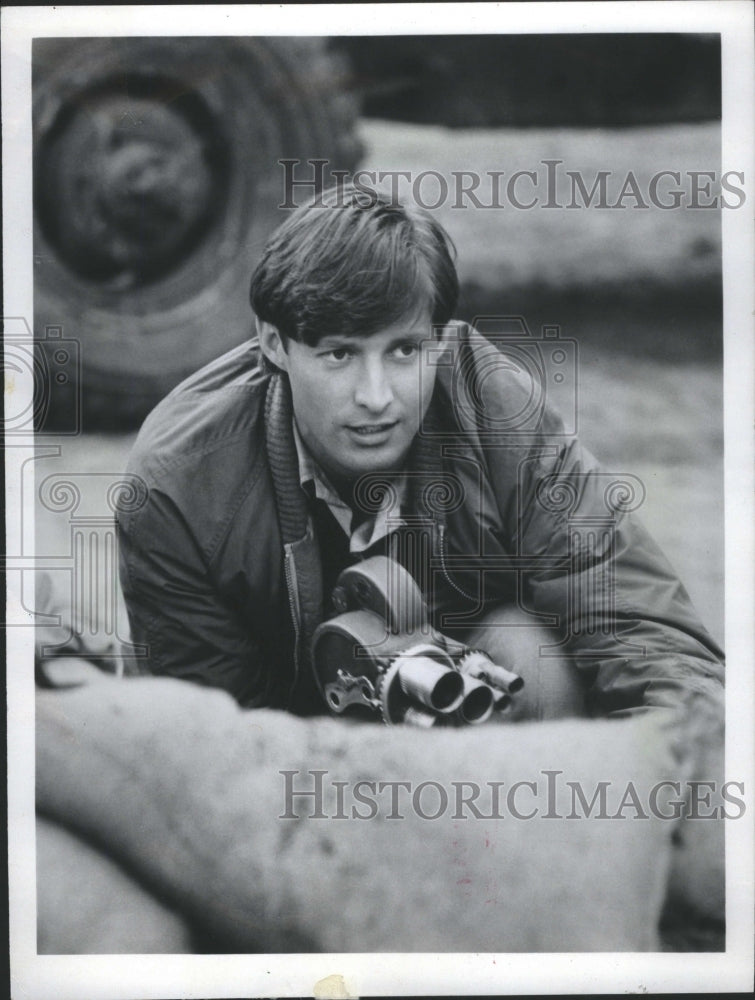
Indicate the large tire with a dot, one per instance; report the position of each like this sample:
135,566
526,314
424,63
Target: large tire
156,183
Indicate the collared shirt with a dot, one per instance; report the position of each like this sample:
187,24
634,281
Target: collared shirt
362,533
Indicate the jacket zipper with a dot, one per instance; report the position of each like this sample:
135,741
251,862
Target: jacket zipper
442,549
289,570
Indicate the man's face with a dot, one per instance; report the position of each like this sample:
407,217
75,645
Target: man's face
358,401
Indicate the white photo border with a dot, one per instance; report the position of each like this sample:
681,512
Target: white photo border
111,977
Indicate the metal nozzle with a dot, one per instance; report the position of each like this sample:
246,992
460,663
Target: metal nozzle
419,717
478,701
504,679
502,701
429,682
479,664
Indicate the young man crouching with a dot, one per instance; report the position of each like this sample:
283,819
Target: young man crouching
364,421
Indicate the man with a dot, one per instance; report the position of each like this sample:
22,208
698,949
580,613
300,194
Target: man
364,420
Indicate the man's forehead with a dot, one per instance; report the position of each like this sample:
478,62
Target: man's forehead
417,328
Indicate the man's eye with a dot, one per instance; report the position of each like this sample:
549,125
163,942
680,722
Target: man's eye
406,350
338,354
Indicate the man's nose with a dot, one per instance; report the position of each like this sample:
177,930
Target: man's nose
373,390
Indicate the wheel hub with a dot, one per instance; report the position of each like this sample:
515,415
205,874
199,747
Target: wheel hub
126,186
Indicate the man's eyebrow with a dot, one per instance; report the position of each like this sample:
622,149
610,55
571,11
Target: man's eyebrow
355,340
415,332
415,336
338,340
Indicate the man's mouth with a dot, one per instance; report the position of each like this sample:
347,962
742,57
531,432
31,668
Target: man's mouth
372,430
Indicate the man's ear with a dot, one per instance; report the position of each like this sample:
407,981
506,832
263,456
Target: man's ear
271,344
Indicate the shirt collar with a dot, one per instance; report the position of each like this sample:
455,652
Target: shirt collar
386,518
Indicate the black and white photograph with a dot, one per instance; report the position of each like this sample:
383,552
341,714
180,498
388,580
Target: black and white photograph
378,450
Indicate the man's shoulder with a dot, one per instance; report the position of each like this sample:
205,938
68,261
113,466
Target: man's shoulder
213,419
497,382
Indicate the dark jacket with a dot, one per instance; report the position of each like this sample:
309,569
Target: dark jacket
221,568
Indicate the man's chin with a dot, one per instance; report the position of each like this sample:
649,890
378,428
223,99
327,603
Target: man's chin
376,461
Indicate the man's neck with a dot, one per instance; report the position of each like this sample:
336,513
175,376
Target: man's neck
343,485
346,486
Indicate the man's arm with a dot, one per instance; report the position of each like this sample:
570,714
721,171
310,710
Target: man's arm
175,611
586,559
627,620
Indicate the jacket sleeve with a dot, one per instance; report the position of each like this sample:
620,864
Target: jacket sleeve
626,620
175,612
